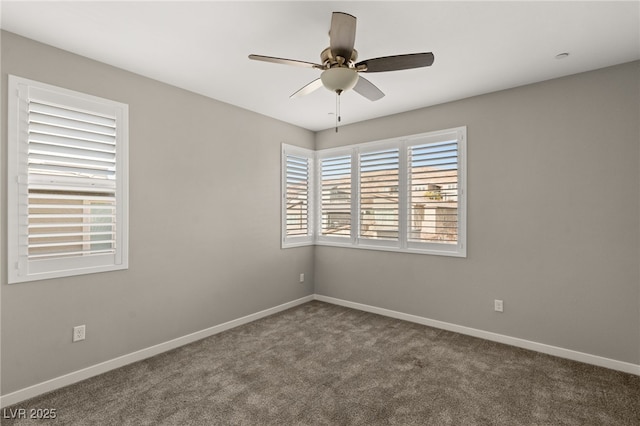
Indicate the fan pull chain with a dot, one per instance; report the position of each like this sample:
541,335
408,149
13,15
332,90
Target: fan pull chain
338,117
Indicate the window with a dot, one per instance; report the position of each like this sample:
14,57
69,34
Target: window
297,164
67,182
405,194
436,200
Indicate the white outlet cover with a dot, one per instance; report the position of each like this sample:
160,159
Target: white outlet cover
79,333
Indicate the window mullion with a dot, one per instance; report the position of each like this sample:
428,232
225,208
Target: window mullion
311,200
355,196
317,197
403,197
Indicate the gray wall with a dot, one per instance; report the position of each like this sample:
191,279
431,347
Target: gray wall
553,222
204,226
553,219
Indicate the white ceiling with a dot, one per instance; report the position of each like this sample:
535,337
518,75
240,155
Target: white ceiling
479,47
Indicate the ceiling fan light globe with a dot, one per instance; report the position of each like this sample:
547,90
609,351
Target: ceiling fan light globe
339,79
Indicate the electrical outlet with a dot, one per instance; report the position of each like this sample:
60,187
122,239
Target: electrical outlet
301,278
79,333
498,305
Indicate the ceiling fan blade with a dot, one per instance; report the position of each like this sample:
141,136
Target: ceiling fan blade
368,89
314,85
396,62
342,35
285,61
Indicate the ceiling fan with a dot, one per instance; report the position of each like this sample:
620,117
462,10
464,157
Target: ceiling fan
340,71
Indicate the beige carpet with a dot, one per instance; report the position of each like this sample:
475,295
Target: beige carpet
324,364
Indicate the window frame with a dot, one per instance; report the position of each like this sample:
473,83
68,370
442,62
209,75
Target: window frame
20,267
403,243
460,248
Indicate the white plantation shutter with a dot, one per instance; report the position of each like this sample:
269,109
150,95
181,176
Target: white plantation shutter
335,196
404,194
434,192
71,179
436,214
379,191
71,182
70,224
297,195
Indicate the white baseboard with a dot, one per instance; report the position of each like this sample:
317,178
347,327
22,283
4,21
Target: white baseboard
103,367
513,341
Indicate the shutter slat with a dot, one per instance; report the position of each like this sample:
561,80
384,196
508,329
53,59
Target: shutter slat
70,253
45,129
68,244
435,150
66,123
53,170
60,161
33,206
61,225
69,152
83,197
71,143
57,111
71,216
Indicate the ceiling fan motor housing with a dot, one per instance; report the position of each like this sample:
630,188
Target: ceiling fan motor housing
328,60
339,79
